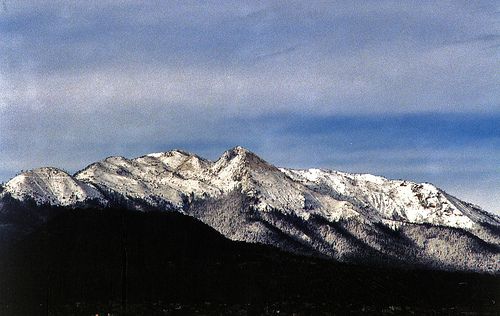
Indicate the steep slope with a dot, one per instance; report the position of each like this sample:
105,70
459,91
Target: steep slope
271,189
160,180
52,186
394,200
348,217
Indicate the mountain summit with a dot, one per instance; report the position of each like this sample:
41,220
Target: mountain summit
348,217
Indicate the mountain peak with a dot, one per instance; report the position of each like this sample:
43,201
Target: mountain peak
40,172
50,185
236,152
115,159
170,153
243,156
240,149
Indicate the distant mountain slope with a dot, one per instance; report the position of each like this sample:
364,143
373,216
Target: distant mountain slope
97,261
348,217
52,186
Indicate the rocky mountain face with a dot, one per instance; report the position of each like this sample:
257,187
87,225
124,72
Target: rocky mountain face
348,217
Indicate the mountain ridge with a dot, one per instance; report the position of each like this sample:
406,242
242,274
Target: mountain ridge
328,212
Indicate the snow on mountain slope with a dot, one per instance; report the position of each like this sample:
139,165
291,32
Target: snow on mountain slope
51,186
328,213
158,179
172,179
272,189
394,200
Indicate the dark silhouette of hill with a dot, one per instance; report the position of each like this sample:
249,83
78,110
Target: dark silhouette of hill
89,261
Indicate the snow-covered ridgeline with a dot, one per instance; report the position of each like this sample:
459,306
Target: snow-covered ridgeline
52,186
397,200
177,177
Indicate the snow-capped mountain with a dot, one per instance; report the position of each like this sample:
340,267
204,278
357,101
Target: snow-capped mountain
53,186
349,217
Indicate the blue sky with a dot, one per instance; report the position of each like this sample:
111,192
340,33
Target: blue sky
404,89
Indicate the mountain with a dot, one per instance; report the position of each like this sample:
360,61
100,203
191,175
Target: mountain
51,186
357,218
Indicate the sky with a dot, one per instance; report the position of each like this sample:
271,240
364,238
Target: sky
402,89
